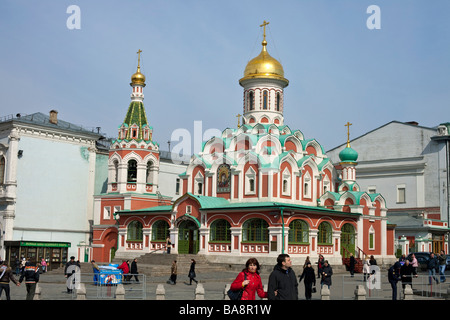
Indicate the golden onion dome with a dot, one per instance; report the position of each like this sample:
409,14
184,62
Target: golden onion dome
138,78
264,66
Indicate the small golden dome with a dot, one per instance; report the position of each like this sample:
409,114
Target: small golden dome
264,66
138,78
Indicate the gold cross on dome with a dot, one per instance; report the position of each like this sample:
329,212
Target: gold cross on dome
139,57
239,118
265,23
348,124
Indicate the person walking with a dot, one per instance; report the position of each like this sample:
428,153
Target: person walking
6,275
283,283
191,273
134,270
394,277
173,273
307,260
442,265
31,275
249,281
366,268
125,269
168,245
351,265
319,265
310,280
432,265
327,272
69,271
415,265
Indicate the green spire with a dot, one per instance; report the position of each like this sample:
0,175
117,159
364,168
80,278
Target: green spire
136,115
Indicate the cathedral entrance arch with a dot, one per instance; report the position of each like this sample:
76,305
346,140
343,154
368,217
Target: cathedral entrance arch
348,237
188,235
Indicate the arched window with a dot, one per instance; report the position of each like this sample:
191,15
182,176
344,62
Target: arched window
2,170
116,170
278,101
134,231
251,100
307,186
265,99
132,171
160,230
255,230
324,236
220,231
298,232
150,171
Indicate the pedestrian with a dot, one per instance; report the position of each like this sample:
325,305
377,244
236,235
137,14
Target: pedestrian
310,280
432,266
351,265
319,265
414,264
406,273
442,265
69,271
22,264
134,270
192,274
283,283
249,281
17,266
6,275
96,271
372,261
366,268
173,273
125,269
44,265
31,275
168,245
327,272
394,277
306,262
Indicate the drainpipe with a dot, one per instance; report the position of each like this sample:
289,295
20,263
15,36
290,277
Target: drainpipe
282,228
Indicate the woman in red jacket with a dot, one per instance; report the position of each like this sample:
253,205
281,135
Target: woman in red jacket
250,281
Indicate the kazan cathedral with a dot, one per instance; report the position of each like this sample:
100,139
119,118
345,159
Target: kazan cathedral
255,191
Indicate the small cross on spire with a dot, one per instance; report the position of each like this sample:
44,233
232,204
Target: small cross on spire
348,124
265,23
139,57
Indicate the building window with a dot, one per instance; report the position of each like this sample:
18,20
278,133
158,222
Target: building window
265,99
298,232
372,189
116,171
177,186
371,238
324,236
307,186
286,187
106,213
251,100
134,231
150,172
401,193
220,231
278,101
198,187
2,170
160,230
188,209
250,178
132,171
255,230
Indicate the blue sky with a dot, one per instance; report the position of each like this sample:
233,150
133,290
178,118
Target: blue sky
194,53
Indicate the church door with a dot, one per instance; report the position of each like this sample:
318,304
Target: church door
347,240
188,237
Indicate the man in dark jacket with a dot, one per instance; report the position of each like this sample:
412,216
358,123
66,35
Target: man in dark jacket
31,275
310,280
283,283
393,278
327,272
432,266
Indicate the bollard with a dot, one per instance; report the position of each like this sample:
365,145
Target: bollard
160,292
199,292
37,292
81,292
120,292
225,292
325,292
360,292
408,293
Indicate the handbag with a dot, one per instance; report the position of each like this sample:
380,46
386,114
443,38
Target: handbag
236,295
314,290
